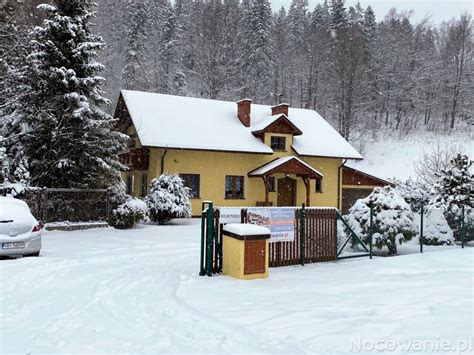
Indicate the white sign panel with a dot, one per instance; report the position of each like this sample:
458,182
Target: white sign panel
280,221
229,215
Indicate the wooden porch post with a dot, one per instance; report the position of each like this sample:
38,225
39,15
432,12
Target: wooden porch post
307,183
265,181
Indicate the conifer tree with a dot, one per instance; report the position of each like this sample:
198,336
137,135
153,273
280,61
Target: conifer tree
258,65
455,187
134,75
168,198
69,139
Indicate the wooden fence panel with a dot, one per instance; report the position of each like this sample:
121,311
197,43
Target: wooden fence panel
319,239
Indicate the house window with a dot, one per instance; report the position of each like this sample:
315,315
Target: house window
234,186
131,140
191,181
144,184
319,185
130,180
271,184
278,143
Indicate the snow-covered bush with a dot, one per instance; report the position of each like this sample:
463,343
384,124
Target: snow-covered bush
168,199
128,214
393,219
415,193
118,193
436,230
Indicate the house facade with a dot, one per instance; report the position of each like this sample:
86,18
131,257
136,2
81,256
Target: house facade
234,154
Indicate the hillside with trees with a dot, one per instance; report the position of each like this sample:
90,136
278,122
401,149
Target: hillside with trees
359,72
369,77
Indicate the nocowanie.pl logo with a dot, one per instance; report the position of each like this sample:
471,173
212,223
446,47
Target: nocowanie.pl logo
439,344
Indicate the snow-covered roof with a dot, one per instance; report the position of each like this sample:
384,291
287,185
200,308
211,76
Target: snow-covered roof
278,162
192,123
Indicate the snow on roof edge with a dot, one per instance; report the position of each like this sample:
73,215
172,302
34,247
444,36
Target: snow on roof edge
278,162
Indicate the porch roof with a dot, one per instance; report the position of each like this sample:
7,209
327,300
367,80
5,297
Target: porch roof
286,165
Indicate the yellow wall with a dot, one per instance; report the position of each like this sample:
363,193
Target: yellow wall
214,166
233,256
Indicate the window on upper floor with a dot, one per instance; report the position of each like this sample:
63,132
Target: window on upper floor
144,184
131,140
130,183
278,143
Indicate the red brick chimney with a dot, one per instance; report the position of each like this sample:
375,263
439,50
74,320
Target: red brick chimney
243,111
279,109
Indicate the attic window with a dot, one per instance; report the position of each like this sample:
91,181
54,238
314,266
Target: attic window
278,143
131,141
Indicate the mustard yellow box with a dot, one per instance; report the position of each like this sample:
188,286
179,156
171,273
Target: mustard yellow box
245,251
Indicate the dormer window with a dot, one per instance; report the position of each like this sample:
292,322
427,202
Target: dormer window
278,143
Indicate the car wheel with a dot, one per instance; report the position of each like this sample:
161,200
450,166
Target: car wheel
34,254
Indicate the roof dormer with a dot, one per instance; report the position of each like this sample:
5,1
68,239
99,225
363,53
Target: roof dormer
278,124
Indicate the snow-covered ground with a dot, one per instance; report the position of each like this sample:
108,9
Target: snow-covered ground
388,156
112,291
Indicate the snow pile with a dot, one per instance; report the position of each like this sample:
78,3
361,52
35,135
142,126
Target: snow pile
168,199
128,214
436,230
115,291
246,229
393,219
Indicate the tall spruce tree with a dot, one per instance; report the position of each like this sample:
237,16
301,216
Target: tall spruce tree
260,62
70,141
134,74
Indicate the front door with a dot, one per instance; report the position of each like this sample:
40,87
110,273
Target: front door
286,192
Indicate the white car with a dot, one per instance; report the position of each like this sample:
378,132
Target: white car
20,232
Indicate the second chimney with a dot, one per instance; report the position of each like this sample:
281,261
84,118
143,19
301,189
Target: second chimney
243,111
279,109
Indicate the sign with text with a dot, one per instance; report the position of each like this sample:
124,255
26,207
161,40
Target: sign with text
280,221
229,215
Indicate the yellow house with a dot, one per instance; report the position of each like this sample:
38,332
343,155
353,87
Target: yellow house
234,154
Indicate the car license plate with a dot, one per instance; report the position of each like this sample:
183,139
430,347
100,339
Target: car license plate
14,245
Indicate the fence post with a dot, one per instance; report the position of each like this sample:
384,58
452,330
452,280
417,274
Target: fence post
370,232
202,267
210,235
422,210
302,233
462,227
45,205
107,205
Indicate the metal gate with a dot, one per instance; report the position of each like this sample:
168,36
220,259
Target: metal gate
316,231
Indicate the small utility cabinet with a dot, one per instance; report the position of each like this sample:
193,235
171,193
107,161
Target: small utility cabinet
245,251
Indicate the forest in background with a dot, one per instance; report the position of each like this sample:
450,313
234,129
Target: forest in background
361,73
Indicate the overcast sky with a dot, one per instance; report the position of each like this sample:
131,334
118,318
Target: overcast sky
439,10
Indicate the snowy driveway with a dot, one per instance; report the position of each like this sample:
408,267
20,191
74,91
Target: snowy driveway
138,291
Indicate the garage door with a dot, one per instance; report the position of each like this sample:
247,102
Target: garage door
350,196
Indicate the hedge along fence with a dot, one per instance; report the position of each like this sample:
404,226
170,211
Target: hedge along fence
73,205
315,239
